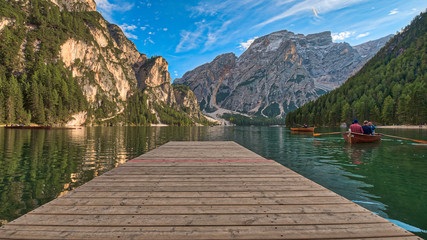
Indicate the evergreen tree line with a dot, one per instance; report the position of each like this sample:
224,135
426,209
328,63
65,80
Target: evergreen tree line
49,94
34,85
390,89
171,116
137,111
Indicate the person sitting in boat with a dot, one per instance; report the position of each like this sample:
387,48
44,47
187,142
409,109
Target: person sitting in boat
372,127
355,127
305,126
366,128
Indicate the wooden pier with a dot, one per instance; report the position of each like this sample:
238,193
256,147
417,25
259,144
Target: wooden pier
201,190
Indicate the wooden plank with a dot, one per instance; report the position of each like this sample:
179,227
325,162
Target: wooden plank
201,190
211,195
167,164
271,169
89,188
198,184
198,209
198,220
200,175
197,171
128,201
105,178
333,231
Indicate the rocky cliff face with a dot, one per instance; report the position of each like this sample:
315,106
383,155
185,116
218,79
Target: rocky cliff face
104,67
187,101
277,73
76,5
369,49
153,75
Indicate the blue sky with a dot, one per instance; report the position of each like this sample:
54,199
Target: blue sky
193,32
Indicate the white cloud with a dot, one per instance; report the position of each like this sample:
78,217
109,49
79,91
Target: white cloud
143,28
394,11
148,40
215,20
247,44
189,40
362,35
341,36
127,29
175,73
320,6
315,12
213,8
165,29
107,9
216,34
368,25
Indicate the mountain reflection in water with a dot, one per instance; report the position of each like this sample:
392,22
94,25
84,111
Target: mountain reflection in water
388,178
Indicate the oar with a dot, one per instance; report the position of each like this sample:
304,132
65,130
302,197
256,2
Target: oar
414,140
320,134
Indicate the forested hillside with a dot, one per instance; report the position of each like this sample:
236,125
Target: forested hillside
61,67
390,89
42,90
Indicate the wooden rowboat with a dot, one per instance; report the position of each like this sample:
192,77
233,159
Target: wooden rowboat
361,138
302,129
29,127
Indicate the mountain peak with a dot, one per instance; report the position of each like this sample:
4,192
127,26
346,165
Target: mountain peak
276,74
322,38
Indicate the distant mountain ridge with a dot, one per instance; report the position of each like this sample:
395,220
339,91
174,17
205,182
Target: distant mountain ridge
391,88
278,73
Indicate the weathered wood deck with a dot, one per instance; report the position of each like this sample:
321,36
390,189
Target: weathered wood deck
201,190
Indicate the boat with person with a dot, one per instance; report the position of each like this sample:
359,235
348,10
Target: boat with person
303,129
361,138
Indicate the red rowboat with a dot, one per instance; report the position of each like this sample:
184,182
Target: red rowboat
302,129
361,138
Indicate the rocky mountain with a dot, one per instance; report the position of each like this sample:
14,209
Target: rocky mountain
90,68
277,73
391,88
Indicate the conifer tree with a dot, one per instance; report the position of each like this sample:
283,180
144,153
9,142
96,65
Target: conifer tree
1,101
36,104
388,110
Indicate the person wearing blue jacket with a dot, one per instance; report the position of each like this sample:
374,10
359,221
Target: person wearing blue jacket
366,128
372,127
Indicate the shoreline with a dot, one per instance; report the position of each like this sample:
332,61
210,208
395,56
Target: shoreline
424,127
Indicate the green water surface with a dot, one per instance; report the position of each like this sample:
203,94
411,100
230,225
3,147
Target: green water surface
388,178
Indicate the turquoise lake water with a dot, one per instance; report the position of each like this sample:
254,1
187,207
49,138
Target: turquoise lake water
388,178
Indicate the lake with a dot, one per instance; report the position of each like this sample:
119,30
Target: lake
388,178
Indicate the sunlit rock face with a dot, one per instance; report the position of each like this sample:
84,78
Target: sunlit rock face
76,5
277,73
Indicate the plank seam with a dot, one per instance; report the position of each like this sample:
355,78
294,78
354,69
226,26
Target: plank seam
181,214
201,160
180,225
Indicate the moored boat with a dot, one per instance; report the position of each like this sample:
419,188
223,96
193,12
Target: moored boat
28,127
360,138
302,129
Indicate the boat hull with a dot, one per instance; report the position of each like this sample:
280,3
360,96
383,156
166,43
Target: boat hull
302,129
361,138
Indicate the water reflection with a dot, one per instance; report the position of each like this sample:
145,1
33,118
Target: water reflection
388,178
